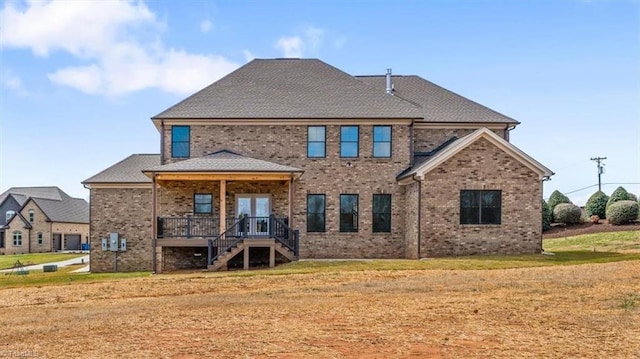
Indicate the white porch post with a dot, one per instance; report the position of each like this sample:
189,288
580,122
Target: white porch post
223,206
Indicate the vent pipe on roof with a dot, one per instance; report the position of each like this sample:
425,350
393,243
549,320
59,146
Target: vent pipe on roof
389,84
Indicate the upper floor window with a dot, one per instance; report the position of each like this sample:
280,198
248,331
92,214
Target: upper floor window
349,136
9,215
39,237
202,203
316,212
180,141
316,141
17,238
381,141
32,215
480,206
381,213
348,213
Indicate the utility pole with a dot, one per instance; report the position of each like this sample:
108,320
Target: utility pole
600,162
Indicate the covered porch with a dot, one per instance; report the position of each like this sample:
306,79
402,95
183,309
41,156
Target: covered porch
223,203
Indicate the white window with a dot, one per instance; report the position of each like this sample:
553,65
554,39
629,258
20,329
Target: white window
17,238
32,214
8,215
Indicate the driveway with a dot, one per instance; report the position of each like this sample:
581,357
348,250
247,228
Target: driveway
68,262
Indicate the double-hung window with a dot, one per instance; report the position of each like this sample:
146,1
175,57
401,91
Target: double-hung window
348,213
381,213
202,203
180,141
316,207
349,136
32,215
382,141
480,206
17,238
316,141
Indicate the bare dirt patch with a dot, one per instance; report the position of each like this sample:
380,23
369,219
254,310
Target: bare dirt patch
553,312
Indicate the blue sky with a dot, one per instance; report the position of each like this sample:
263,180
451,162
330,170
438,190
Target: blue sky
79,80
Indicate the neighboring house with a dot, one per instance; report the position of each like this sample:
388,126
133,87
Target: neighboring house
298,157
42,219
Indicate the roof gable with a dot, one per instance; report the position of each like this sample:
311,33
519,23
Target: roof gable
290,88
462,143
21,194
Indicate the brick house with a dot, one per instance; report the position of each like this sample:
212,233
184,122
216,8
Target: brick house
42,219
293,158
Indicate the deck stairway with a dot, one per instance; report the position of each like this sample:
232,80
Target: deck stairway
277,236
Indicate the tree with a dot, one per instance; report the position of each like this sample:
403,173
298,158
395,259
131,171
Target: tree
597,204
546,216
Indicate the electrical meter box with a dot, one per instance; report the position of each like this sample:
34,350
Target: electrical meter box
105,245
123,244
113,242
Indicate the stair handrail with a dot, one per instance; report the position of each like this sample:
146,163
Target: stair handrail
284,234
225,241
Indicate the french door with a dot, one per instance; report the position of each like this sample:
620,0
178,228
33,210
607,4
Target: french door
255,209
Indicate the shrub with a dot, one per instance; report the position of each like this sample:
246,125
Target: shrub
567,213
620,194
546,216
622,212
555,199
594,219
597,204
632,197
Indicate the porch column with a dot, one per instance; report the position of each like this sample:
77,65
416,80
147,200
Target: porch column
223,206
154,222
291,203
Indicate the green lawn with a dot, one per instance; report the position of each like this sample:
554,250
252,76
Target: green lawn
610,247
628,241
8,261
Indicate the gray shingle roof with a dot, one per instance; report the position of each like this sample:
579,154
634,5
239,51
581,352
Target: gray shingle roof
128,170
21,194
438,104
70,210
223,161
290,88
54,202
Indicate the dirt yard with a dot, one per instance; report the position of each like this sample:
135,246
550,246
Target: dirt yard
588,311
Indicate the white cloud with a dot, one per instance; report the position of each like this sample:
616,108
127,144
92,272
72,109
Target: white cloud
310,40
290,46
248,55
111,41
14,83
206,26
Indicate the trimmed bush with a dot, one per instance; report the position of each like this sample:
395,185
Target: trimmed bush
622,212
632,197
597,204
567,213
620,194
546,216
594,219
555,199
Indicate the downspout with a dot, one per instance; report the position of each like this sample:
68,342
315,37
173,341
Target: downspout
161,142
154,222
51,231
417,179
411,142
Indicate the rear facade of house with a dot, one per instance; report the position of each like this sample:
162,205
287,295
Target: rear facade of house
292,158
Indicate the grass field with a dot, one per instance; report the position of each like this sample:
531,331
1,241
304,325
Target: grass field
370,309
8,261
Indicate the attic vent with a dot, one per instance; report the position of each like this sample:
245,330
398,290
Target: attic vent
389,84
